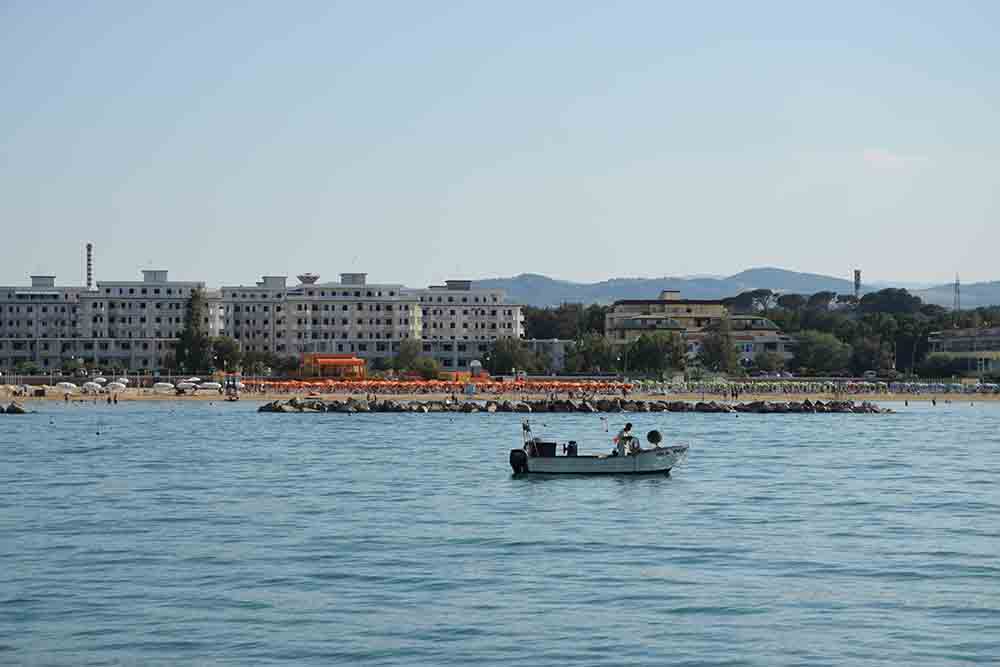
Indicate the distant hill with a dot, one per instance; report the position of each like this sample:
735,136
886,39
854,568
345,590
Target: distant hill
538,290
973,294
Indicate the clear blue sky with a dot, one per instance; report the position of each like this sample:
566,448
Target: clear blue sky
425,140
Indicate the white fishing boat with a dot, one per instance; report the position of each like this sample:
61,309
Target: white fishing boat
552,458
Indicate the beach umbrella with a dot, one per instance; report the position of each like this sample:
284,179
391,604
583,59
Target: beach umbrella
194,380
210,385
91,387
115,386
100,380
185,385
122,380
67,386
162,386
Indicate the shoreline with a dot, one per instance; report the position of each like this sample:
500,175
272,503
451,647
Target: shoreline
133,395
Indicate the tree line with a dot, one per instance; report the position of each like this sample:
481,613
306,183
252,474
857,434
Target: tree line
883,331
837,334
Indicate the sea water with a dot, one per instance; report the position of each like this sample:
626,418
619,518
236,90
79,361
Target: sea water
173,533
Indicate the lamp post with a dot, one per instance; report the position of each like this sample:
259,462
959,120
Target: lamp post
623,360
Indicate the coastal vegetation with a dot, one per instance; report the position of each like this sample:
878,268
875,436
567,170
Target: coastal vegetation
839,334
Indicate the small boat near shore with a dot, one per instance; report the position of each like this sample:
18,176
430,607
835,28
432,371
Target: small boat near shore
542,457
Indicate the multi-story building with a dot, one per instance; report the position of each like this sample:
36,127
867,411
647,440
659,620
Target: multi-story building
751,335
38,322
460,322
347,317
630,318
256,316
979,349
135,324
121,324
454,322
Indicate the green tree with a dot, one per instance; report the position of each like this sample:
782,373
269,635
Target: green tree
565,322
717,350
70,366
890,300
539,322
289,364
769,361
193,350
870,353
821,352
821,300
257,363
792,301
27,367
427,367
941,366
848,300
741,303
788,320
591,353
380,364
169,361
593,319
507,354
409,350
654,353
226,352
911,341
762,299
935,313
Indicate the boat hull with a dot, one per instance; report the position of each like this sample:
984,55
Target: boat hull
650,461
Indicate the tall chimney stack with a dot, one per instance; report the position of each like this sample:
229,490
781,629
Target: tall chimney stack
90,265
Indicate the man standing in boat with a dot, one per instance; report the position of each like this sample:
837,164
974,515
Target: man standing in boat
623,438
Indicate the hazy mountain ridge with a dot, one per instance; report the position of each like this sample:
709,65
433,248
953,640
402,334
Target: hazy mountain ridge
538,290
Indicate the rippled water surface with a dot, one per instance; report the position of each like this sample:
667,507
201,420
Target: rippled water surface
197,533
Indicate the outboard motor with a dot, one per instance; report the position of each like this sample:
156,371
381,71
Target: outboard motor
518,461
654,437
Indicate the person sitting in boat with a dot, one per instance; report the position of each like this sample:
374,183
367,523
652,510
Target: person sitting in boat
623,438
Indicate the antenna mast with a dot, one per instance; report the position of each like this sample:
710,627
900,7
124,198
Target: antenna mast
957,304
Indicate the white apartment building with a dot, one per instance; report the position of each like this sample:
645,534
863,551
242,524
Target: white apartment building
455,322
134,325
38,322
347,317
460,322
121,324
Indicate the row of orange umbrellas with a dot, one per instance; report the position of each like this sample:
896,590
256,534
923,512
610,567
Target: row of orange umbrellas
446,386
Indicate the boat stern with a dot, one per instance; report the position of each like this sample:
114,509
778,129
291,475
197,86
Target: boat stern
519,461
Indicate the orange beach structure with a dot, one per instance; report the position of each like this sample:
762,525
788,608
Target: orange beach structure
341,366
